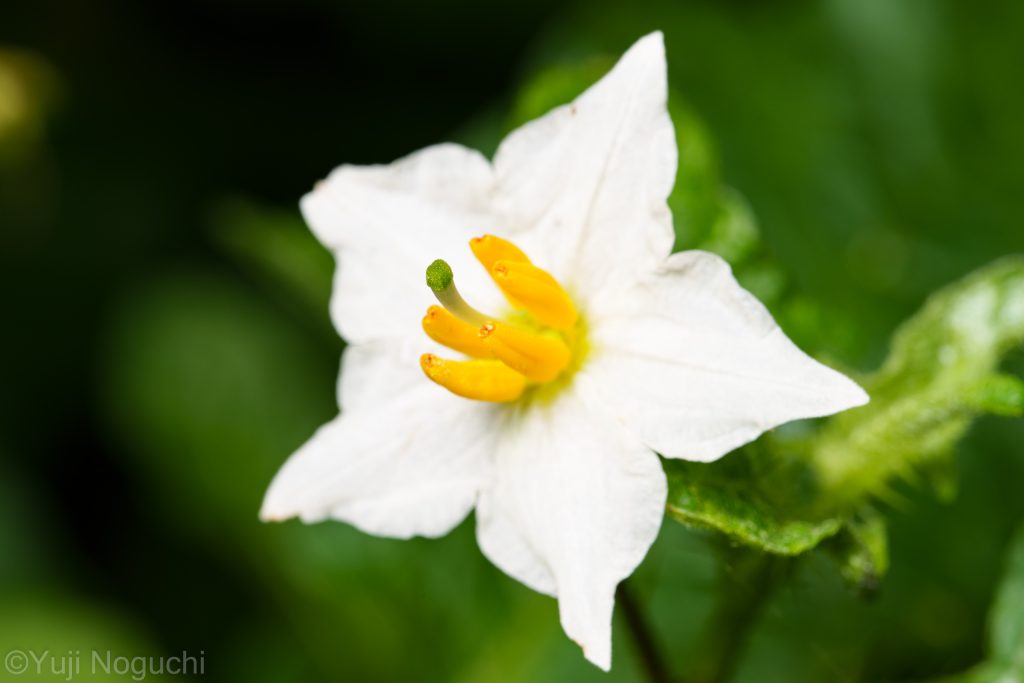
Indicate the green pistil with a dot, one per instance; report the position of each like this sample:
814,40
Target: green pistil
441,281
439,276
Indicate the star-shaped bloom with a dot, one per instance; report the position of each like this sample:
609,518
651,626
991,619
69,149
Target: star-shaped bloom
583,349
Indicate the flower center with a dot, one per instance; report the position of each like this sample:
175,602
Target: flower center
535,348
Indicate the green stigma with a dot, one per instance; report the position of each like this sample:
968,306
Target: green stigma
439,276
441,281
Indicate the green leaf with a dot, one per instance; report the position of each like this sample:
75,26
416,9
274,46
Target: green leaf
941,373
726,496
863,550
999,395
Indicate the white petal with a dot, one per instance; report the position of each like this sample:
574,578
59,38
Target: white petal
577,502
695,365
387,223
410,465
375,373
591,179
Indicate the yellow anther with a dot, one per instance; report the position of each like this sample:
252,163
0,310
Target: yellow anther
534,290
490,249
481,380
444,328
506,358
540,357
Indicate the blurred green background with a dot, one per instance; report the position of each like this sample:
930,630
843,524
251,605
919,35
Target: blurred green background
166,343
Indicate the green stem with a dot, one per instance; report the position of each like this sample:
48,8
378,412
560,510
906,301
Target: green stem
748,580
643,637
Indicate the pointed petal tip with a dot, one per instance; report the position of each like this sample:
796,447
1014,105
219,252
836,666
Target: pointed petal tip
268,518
650,46
305,199
847,394
656,36
269,514
604,663
275,508
601,657
280,505
861,397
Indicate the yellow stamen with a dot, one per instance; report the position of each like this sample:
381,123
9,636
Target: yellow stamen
541,358
490,249
534,290
508,359
444,328
481,380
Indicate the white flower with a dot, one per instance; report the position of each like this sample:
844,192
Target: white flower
651,352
